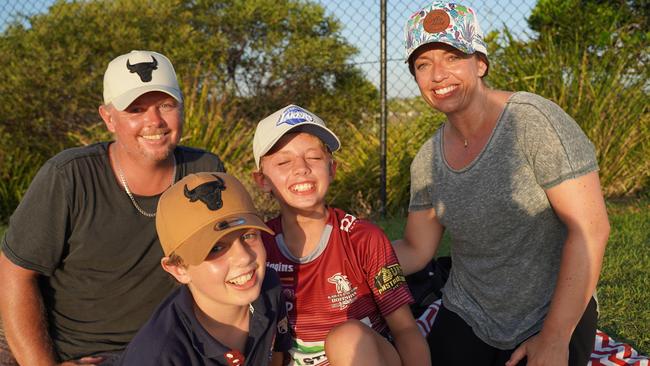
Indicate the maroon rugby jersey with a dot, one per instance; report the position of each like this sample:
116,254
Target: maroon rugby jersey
352,274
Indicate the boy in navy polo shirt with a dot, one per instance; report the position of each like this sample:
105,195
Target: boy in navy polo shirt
230,311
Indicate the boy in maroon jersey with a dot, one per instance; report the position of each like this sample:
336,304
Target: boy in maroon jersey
347,298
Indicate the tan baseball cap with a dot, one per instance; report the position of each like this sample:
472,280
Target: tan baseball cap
198,210
291,118
130,75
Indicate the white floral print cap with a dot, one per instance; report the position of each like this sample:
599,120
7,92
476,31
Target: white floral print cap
449,23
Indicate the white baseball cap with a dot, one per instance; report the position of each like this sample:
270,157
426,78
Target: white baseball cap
291,118
130,75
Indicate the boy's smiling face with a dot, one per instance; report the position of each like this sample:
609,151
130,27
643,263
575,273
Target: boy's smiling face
231,274
298,170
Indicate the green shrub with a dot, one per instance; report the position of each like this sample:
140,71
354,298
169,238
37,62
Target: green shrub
357,184
17,168
211,125
260,52
238,62
606,92
246,57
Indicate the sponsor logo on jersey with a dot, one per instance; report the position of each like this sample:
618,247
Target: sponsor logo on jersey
294,115
288,289
283,325
389,278
234,358
289,306
280,267
345,293
288,293
347,222
308,353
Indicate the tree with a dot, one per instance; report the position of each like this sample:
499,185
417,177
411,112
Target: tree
258,55
262,53
593,22
591,58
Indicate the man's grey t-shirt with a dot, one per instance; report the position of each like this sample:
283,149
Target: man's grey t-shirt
506,238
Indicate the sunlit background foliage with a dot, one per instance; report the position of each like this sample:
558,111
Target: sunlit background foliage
239,60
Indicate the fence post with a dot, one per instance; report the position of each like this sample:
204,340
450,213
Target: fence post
383,111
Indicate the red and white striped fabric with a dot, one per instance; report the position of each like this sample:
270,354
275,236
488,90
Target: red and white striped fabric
607,352
425,321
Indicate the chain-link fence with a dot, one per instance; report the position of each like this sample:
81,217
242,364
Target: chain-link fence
361,28
361,22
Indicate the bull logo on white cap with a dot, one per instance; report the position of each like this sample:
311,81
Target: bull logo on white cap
143,69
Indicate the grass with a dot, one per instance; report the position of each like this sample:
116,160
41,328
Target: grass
623,290
625,277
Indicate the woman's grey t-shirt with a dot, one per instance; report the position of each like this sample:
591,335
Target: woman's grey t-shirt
506,238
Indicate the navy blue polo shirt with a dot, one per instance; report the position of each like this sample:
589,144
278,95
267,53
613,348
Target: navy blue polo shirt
173,335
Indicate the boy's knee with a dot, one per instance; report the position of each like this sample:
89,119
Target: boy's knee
348,333
348,336
355,343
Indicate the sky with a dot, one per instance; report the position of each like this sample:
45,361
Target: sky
361,28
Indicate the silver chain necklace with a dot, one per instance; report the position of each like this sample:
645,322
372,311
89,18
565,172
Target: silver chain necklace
128,191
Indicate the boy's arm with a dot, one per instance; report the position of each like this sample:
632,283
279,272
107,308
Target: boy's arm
421,239
411,345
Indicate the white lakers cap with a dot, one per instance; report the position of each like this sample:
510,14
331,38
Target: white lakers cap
291,118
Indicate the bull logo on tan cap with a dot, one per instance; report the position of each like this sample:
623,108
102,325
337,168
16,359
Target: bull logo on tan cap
208,193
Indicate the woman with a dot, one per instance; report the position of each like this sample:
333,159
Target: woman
514,181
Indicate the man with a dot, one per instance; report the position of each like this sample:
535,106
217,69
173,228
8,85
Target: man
80,259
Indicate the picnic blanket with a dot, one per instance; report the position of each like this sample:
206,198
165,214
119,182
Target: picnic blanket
607,352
